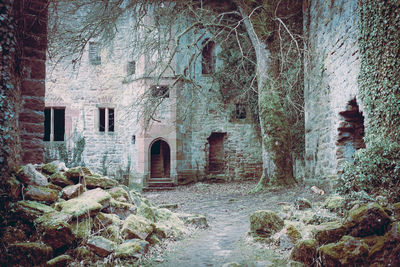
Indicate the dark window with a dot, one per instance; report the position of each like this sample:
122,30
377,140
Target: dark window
133,139
54,124
131,68
240,111
94,53
208,57
102,119
159,91
111,120
59,124
47,124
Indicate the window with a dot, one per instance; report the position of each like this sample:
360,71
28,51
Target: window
131,67
94,53
106,119
240,111
54,124
159,91
208,57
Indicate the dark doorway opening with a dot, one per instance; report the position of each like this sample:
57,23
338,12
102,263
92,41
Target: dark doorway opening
216,155
160,160
351,132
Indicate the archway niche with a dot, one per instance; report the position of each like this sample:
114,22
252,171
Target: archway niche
216,154
351,132
160,163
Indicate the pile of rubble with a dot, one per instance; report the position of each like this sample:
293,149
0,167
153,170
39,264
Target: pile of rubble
56,216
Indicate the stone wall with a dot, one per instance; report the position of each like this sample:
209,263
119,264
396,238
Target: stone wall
331,69
23,29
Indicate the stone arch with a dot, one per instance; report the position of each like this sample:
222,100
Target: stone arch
351,132
160,159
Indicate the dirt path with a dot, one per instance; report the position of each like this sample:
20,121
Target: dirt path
227,208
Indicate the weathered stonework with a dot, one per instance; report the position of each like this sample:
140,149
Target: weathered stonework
331,70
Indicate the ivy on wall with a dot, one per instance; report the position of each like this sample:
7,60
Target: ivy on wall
378,166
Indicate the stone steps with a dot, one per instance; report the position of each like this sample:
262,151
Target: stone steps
162,183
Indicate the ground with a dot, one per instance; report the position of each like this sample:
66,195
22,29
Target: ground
227,208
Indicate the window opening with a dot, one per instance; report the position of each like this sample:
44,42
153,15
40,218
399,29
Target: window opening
54,124
131,67
240,111
159,91
94,53
133,139
208,57
106,120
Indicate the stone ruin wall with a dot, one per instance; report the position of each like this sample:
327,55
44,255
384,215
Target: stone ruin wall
331,68
23,41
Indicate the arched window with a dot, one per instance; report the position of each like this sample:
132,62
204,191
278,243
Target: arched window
208,57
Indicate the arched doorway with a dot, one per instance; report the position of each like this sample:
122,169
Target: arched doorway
160,160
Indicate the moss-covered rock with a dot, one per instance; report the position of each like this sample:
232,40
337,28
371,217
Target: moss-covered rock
82,228
335,203
13,234
122,209
131,248
60,179
49,168
293,233
265,223
60,261
103,220
305,251
77,173
82,253
396,210
29,254
41,194
14,189
195,220
113,233
31,210
30,176
94,181
382,247
146,211
329,232
119,193
369,219
72,191
349,251
101,246
302,204
136,226
172,227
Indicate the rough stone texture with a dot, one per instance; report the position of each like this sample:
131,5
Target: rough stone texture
60,261
136,227
60,179
29,254
329,232
265,223
29,175
195,220
131,248
305,251
330,82
41,194
72,191
94,181
101,246
31,210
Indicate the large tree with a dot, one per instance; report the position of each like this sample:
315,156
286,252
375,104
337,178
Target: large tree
258,35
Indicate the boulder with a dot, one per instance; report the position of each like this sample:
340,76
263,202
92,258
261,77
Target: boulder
113,233
72,191
369,219
29,254
60,179
77,173
335,203
384,247
196,220
122,209
305,251
41,194
103,220
302,204
60,261
293,233
49,168
94,181
329,232
145,211
31,210
101,246
131,248
136,226
57,232
119,193
30,176
89,203
349,251
265,223
168,224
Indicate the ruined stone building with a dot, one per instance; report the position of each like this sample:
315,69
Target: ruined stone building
91,113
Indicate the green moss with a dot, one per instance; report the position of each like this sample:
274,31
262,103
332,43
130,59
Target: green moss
265,223
49,168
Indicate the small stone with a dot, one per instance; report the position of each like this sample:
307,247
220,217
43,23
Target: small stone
49,168
60,179
196,220
30,176
31,210
41,194
72,191
335,203
101,246
60,261
302,204
305,251
265,223
131,248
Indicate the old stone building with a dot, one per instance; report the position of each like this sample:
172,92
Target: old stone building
93,115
